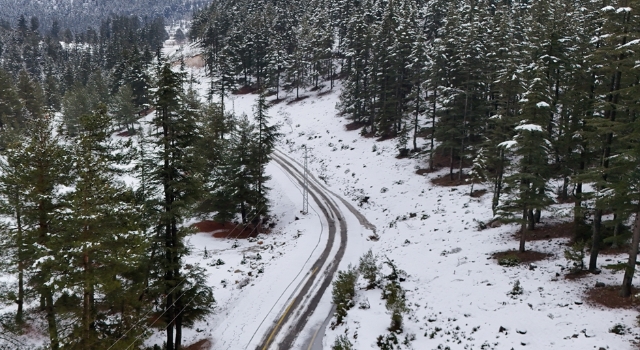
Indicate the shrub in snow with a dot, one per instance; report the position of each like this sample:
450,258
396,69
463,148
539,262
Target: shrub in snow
516,291
388,342
342,343
575,257
369,269
396,304
344,289
618,329
509,261
396,275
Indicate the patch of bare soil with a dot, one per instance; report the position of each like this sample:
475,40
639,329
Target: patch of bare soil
528,256
441,160
228,229
424,133
577,275
569,199
446,180
386,137
478,193
561,230
204,344
303,97
423,171
276,101
355,126
325,92
245,90
609,250
609,297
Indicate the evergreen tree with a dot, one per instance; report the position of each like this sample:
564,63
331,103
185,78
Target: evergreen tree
176,175
104,240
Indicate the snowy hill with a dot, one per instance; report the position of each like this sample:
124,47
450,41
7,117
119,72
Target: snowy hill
458,296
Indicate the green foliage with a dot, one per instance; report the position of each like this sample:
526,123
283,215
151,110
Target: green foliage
368,268
575,256
516,291
344,290
509,261
342,342
396,304
388,342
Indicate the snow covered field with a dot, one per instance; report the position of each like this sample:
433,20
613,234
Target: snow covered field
457,294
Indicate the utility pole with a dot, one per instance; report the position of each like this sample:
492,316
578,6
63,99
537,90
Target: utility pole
305,187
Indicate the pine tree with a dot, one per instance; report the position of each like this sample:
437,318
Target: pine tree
103,234
176,174
123,108
266,135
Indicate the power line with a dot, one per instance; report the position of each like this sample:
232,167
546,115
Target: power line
305,186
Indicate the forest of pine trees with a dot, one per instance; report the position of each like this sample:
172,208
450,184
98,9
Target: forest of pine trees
535,100
94,195
538,98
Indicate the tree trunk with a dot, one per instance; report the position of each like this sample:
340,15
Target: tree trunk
578,215
51,320
86,303
415,121
532,220
433,129
625,290
497,186
595,238
565,189
523,230
451,165
19,243
179,327
464,131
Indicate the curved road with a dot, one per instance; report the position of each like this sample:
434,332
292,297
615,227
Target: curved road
293,319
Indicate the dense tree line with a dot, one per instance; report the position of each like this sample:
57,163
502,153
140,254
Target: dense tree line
98,259
538,97
80,15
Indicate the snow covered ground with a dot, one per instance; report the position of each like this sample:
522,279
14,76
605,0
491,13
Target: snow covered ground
457,295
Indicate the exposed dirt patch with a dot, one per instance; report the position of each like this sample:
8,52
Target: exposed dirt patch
386,137
204,344
478,193
446,180
609,297
577,275
424,133
245,90
609,250
326,92
276,101
228,229
569,199
423,171
355,126
528,256
442,160
562,230
304,97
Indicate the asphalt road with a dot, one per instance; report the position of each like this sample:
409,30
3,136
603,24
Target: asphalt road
294,317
